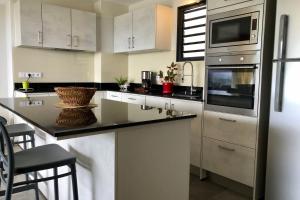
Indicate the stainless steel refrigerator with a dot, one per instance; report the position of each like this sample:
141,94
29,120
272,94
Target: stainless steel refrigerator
283,162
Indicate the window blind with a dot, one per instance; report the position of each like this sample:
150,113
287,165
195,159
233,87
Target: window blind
191,30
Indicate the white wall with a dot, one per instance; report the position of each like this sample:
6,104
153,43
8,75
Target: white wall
3,67
108,65
159,60
6,85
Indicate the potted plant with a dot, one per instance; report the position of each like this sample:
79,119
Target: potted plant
169,79
122,83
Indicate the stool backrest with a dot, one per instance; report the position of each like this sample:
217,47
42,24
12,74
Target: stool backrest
3,120
7,160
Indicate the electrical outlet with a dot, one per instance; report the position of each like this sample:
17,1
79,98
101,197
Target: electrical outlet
30,103
32,74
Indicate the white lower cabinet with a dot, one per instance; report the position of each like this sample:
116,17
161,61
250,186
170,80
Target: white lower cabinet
231,128
134,98
158,102
194,107
115,96
229,160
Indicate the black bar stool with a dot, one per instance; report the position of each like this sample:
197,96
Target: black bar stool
20,130
33,160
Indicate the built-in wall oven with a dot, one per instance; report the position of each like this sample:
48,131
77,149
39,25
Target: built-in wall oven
237,30
232,85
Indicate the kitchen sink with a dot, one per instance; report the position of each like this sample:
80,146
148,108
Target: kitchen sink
186,95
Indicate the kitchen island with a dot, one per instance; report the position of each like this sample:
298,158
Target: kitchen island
124,151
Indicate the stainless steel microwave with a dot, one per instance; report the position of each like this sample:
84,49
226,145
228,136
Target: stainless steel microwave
238,30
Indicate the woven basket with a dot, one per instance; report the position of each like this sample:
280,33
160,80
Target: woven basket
75,96
75,118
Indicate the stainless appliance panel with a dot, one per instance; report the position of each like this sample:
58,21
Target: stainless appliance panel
283,164
225,5
251,58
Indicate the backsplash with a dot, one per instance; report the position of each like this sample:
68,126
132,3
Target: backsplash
159,61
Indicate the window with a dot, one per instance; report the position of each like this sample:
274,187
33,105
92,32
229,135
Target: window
191,27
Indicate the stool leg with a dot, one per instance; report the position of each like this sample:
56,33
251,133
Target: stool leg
55,184
32,140
36,189
74,181
25,147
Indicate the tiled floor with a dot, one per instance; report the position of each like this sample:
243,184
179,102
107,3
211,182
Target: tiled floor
204,190
200,190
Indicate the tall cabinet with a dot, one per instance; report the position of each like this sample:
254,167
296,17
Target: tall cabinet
143,29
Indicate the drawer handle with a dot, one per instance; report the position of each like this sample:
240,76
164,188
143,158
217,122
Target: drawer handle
226,148
114,96
227,120
166,106
133,99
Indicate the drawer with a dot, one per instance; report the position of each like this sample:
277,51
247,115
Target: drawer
193,107
158,102
214,4
231,161
231,128
116,96
134,99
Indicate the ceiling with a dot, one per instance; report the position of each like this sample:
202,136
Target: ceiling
125,2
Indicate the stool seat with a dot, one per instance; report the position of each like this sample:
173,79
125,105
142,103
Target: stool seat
42,158
16,130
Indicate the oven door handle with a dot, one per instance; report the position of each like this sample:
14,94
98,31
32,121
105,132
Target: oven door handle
233,67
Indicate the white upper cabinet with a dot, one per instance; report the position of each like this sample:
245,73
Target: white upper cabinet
52,26
28,23
123,33
83,30
144,29
56,27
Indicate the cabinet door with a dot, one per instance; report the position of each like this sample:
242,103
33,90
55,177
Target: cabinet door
143,29
196,126
83,30
56,27
123,33
28,23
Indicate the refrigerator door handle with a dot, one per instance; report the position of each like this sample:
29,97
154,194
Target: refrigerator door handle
281,65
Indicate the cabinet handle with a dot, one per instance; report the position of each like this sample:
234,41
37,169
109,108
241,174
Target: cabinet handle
40,37
227,120
76,39
166,106
172,106
226,148
133,38
129,42
69,40
133,99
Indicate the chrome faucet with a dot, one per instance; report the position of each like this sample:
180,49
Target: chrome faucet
192,76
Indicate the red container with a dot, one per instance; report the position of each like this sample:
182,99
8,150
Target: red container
167,88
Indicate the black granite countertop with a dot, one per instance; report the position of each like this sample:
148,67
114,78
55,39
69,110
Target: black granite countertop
49,87
42,113
159,94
